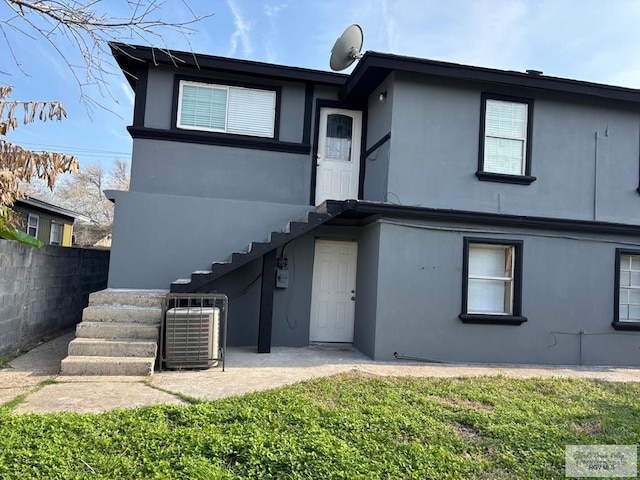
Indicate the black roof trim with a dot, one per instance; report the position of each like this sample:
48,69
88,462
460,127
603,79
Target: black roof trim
355,209
129,57
219,139
374,67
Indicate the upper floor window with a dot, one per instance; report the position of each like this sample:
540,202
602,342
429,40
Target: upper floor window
505,140
32,225
55,238
492,282
627,293
226,109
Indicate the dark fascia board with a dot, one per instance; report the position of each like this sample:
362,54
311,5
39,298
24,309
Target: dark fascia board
362,209
373,67
219,139
129,57
48,208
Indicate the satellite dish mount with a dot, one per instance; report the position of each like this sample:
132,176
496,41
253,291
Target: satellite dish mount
347,48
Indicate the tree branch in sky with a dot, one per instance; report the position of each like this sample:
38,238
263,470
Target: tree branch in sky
87,27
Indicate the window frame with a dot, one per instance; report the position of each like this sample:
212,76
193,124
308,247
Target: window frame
51,239
524,179
617,324
226,85
37,227
516,317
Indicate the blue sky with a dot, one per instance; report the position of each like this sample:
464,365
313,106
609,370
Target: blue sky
589,40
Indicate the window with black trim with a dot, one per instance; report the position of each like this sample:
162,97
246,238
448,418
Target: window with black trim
505,139
627,290
492,281
226,109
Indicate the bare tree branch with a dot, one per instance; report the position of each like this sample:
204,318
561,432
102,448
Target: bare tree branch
88,28
18,164
83,192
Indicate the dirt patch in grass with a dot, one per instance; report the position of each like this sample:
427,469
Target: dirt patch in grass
468,432
592,429
460,402
328,403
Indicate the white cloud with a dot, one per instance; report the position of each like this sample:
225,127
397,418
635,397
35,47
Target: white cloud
126,89
491,34
240,35
272,11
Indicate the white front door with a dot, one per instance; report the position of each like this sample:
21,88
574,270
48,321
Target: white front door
338,162
334,291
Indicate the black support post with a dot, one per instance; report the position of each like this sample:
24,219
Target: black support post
266,301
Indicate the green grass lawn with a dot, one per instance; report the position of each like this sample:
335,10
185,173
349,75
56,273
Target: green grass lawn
349,426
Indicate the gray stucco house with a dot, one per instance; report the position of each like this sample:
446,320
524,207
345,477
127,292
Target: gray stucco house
430,209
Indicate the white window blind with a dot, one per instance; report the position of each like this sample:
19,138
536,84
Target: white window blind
221,108
55,238
505,137
490,281
32,225
203,107
251,112
629,308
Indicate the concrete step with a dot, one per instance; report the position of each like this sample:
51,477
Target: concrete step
98,347
106,366
122,314
119,296
114,331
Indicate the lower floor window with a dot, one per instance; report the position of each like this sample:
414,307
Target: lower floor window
627,293
492,280
56,234
32,225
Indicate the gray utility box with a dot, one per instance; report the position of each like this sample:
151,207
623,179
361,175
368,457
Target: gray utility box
192,336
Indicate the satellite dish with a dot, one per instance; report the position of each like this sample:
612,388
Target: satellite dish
346,50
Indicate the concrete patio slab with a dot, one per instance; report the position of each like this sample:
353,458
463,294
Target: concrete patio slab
36,365
246,371
94,397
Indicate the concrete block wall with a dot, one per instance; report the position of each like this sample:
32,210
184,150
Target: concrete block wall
43,291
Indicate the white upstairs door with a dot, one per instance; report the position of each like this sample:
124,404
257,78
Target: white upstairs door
338,162
334,291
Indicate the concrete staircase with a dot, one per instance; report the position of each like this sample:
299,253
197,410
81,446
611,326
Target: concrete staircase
201,280
118,334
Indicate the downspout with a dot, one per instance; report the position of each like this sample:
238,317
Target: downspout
595,177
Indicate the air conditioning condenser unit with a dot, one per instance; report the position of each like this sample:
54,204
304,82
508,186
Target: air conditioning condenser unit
192,337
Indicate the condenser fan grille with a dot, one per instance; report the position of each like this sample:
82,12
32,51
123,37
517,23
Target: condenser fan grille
192,337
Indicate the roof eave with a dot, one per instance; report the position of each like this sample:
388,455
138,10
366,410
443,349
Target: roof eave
380,65
47,207
130,57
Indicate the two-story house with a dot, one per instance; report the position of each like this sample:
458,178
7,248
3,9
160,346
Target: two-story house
431,209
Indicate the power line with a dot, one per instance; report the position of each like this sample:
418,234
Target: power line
79,150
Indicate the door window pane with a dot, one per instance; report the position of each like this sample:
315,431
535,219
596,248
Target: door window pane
339,136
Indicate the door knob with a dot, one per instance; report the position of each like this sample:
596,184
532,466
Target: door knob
353,298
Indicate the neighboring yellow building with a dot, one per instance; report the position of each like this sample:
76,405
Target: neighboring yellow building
50,224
